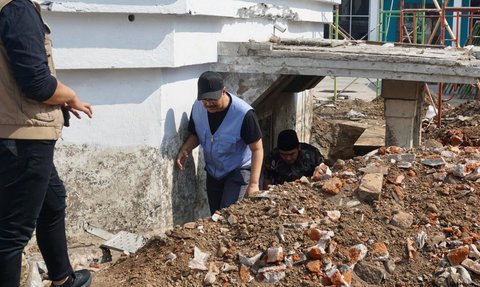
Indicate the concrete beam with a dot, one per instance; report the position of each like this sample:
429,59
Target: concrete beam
350,60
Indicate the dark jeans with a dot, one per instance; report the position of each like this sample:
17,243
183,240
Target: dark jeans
31,195
228,190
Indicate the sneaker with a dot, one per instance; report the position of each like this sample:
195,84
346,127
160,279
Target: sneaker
81,278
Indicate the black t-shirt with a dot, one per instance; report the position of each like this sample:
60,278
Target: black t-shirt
250,131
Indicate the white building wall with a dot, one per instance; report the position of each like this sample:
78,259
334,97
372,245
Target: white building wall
141,77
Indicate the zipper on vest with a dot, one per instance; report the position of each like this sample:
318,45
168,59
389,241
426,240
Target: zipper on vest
211,155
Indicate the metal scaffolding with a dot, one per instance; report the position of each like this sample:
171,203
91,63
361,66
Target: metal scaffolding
442,34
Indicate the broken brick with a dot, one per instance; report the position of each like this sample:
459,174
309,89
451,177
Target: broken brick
456,140
315,253
332,186
357,253
399,192
315,266
379,251
313,234
245,276
275,254
456,256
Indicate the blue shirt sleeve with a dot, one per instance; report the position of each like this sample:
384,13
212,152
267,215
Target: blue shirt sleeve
23,34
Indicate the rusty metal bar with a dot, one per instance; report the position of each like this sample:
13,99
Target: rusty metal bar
402,20
439,115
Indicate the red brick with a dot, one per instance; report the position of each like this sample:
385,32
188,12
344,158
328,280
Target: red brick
315,253
456,140
456,256
379,249
313,233
347,276
395,149
245,276
411,173
399,192
332,186
315,266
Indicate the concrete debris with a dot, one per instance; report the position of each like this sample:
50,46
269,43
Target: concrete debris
126,241
34,279
370,187
434,162
420,229
249,261
211,275
199,260
271,274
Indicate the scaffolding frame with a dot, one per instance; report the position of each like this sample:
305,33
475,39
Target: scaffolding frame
419,16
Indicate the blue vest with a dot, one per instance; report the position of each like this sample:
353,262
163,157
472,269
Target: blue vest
224,151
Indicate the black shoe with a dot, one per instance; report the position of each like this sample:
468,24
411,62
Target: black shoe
81,278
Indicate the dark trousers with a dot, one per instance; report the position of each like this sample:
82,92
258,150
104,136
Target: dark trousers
228,190
31,195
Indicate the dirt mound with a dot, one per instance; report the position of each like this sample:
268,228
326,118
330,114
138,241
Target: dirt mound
460,125
392,219
336,140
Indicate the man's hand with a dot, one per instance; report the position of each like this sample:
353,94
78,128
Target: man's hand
76,105
181,157
252,189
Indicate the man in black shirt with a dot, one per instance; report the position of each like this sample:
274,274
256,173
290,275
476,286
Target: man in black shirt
227,129
290,160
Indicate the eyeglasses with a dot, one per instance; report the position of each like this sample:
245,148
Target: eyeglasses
210,100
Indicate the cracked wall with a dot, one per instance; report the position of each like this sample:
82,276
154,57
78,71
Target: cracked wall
134,189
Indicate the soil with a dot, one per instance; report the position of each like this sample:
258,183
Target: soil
417,223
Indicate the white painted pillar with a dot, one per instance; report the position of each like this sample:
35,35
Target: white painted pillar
303,118
403,102
373,21
457,3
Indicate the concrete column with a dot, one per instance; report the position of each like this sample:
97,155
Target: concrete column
403,102
304,115
373,21
457,4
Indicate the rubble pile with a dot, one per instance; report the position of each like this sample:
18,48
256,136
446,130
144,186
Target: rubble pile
394,217
460,125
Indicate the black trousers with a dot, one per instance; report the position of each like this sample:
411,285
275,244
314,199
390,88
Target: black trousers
31,196
226,191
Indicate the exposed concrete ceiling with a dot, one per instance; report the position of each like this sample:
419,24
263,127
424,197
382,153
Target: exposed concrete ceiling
351,59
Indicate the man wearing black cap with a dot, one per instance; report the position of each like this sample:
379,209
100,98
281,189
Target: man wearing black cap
227,129
290,160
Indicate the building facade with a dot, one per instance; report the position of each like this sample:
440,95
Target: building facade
137,62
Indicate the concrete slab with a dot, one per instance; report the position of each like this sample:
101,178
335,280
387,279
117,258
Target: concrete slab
350,59
126,241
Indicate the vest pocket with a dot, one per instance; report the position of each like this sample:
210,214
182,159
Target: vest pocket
226,145
38,111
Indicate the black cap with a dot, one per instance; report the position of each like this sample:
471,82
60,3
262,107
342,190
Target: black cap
287,140
210,86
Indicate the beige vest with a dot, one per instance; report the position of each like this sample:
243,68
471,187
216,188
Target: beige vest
21,117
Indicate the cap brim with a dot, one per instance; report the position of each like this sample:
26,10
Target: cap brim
215,95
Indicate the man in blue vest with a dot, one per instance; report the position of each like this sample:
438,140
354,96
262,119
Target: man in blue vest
227,129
